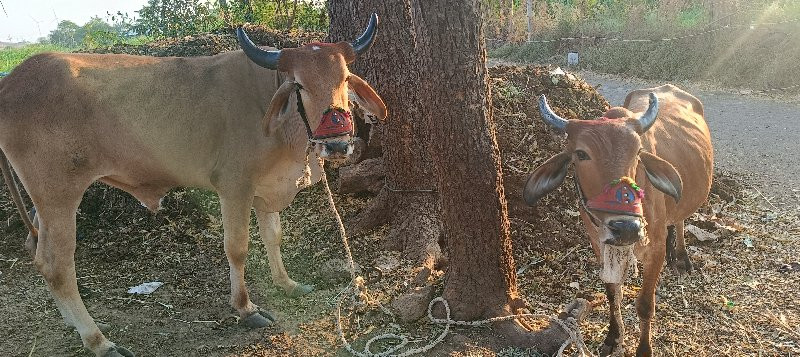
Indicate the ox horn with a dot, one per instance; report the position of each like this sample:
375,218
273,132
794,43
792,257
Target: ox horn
549,116
649,117
263,58
363,43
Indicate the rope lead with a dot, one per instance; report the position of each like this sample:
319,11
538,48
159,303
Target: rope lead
357,290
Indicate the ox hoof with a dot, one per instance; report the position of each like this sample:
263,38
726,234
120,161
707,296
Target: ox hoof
118,351
300,290
258,319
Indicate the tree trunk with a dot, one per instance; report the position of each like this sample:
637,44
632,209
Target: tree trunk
480,277
406,201
480,281
429,65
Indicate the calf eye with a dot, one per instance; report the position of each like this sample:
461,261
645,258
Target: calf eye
582,155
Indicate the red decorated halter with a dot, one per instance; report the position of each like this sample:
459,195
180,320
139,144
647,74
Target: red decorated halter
622,196
335,122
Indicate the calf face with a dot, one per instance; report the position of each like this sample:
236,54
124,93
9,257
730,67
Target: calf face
606,153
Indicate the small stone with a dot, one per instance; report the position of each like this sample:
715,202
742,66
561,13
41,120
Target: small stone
386,262
413,305
336,268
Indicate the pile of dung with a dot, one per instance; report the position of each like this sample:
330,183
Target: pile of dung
526,142
207,44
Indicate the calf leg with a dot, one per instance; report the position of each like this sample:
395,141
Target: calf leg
682,261
55,259
614,343
645,302
677,256
269,227
236,223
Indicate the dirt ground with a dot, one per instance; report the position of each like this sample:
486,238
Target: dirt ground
741,300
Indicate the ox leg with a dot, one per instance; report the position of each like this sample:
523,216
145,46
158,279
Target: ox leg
269,227
55,260
645,302
614,343
236,224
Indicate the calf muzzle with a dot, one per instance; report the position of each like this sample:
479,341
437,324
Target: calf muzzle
624,231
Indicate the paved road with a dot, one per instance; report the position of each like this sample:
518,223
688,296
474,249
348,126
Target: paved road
754,137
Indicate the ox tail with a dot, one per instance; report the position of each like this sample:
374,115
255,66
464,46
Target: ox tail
13,189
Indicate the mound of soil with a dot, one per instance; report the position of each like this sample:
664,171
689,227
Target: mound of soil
526,142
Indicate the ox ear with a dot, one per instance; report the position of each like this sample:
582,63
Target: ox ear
662,175
366,97
546,178
278,103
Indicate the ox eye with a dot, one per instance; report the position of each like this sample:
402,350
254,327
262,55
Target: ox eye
582,155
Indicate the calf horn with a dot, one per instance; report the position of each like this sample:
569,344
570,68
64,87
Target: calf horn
263,58
549,116
649,117
364,42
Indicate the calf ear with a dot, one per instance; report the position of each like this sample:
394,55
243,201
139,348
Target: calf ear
662,175
366,97
546,178
278,103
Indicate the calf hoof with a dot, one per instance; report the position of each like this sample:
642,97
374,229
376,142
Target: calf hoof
644,351
607,350
258,319
683,265
300,290
118,351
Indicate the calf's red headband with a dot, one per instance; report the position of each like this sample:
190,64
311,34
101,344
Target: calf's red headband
622,196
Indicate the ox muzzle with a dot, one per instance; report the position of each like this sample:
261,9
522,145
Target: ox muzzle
335,134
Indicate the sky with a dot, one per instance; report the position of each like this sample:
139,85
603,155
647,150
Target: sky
31,19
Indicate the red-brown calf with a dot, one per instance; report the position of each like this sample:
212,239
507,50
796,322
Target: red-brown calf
640,171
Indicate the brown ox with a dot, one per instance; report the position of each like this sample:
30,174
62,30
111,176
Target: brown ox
658,139
146,124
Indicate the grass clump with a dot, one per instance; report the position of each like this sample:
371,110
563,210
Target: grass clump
10,57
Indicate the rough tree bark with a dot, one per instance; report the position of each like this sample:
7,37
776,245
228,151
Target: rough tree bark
480,280
391,67
429,65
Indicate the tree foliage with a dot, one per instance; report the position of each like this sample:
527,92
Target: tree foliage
174,18
95,33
